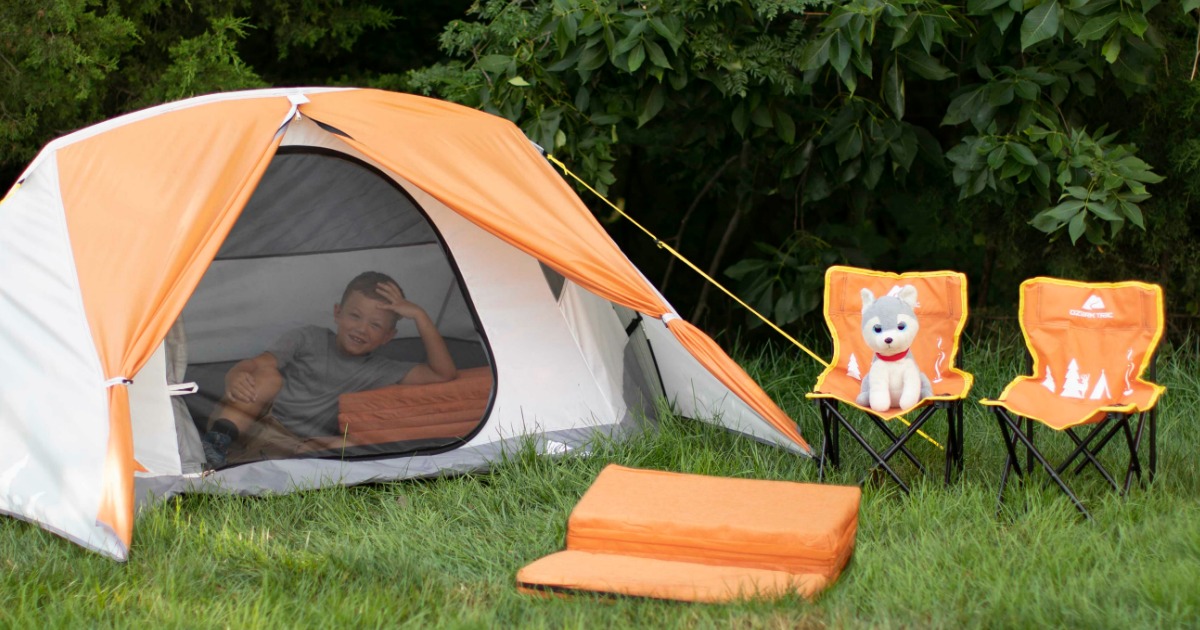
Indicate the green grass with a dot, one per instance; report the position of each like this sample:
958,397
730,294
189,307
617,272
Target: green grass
444,552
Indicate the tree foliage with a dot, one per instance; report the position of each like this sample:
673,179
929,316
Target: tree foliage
763,138
851,112
67,63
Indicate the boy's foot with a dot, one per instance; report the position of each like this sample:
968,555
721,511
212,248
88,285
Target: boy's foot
216,446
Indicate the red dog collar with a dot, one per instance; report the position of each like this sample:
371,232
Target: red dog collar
891,357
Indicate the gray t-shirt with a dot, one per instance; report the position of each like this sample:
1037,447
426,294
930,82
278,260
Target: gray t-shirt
315,373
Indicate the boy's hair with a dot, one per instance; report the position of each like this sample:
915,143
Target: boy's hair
366,283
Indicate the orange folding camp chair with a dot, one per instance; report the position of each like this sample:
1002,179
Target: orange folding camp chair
941,312
1090,344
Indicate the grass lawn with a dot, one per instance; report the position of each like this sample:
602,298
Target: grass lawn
444,552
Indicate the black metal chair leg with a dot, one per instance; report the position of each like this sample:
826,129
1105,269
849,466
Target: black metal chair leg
1037,455
1099,447
1153,443
903,449
1135,444
1081,448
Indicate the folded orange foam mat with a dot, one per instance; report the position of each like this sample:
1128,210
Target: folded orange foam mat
568,571
774,534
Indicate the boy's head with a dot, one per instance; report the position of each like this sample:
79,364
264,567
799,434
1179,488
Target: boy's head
364,323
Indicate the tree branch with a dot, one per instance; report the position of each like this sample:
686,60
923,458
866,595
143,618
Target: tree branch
678,238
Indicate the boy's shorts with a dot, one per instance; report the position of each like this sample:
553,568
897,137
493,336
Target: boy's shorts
267,438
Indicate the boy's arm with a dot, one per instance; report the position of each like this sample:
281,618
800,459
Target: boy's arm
439,365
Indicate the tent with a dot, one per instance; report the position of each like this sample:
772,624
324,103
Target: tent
144,254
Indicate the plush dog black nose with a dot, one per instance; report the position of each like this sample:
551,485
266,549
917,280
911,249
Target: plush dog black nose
887,340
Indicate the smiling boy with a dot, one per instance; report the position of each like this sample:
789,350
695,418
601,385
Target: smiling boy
289,393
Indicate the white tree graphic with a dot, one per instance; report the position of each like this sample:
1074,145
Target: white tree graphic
1074,385
1049,382
852,369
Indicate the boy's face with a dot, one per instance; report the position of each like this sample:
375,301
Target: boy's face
363,324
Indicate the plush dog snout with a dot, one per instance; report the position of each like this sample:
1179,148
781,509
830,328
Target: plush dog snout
887,340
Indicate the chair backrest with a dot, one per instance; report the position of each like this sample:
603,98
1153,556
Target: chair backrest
1090,340
941,311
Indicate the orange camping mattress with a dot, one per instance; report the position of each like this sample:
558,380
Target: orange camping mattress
415,412
644,532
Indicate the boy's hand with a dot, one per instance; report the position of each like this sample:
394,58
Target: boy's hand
396,302
242,387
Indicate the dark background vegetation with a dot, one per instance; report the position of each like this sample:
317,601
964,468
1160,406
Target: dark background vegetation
764,139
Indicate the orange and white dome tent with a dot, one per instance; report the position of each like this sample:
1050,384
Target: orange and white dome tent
143,255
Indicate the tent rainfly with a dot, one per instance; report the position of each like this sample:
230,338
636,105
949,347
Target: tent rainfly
145,255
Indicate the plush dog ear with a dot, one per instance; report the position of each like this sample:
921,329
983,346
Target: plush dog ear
908,295
868,299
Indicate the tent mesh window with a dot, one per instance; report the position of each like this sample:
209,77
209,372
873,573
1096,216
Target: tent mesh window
317,219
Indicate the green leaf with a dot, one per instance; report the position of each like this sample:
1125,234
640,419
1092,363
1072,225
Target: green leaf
1066,210
1112,48
785,126
1106,210
1078,192
494,63
1190,5
904,31
741,119
592,58
761,117
1043,222
849,145
1000,93
1022,154
519,81
893,88
964,106
1135,22
1076,227
904,151
926,65
1003,18
657,56
874,171
1134,213
816,53
839,53
670,30
1012,168
996,158
1097,27
636,57
1042,171
983,7
1027,90
651,103
1039,24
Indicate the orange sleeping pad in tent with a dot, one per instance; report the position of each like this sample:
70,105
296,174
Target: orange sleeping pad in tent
413,412
699,538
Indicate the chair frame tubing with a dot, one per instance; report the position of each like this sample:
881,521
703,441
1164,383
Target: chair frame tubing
833,420
1105,430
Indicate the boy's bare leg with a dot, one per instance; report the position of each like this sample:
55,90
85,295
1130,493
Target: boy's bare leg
233,417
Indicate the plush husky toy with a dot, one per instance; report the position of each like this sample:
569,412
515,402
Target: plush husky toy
889,326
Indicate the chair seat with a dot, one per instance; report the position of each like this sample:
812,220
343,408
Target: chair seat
837,384
1027,397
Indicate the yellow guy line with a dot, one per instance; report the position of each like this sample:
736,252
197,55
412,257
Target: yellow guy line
687,262
709,278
